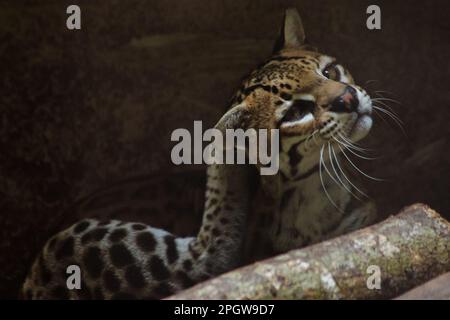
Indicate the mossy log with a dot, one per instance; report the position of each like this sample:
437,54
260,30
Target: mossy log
409,249
435,289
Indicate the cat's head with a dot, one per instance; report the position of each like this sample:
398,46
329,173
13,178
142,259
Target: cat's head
309,96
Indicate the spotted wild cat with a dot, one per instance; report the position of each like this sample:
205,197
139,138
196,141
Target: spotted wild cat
320,112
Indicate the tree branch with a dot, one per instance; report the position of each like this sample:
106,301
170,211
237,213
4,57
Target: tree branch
409,248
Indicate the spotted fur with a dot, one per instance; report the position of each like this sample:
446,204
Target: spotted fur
312,100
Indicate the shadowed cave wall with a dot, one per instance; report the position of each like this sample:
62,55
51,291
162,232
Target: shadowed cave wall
81,110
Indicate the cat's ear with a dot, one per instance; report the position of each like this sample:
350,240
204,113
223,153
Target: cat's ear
292,34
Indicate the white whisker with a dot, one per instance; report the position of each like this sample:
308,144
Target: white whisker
311,136
347,145
381,117
321,180
337,175
353,152
381,98
388,107
383,91
352,144
359,170
345,176
389,113
371,81
392,116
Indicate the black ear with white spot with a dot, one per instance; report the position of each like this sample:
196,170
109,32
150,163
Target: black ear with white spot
292,34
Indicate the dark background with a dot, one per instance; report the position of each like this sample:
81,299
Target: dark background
81,110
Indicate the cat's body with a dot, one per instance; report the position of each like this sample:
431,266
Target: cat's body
319,112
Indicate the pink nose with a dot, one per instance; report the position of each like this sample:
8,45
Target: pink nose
347,102
347,97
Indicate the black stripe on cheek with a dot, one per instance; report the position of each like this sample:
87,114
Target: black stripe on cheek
294,156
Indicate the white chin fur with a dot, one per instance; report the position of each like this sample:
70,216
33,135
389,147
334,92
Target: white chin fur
361,128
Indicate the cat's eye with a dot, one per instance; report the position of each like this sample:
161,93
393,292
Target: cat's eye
332,72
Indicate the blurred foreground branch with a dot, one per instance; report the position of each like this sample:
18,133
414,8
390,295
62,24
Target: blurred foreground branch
409,249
